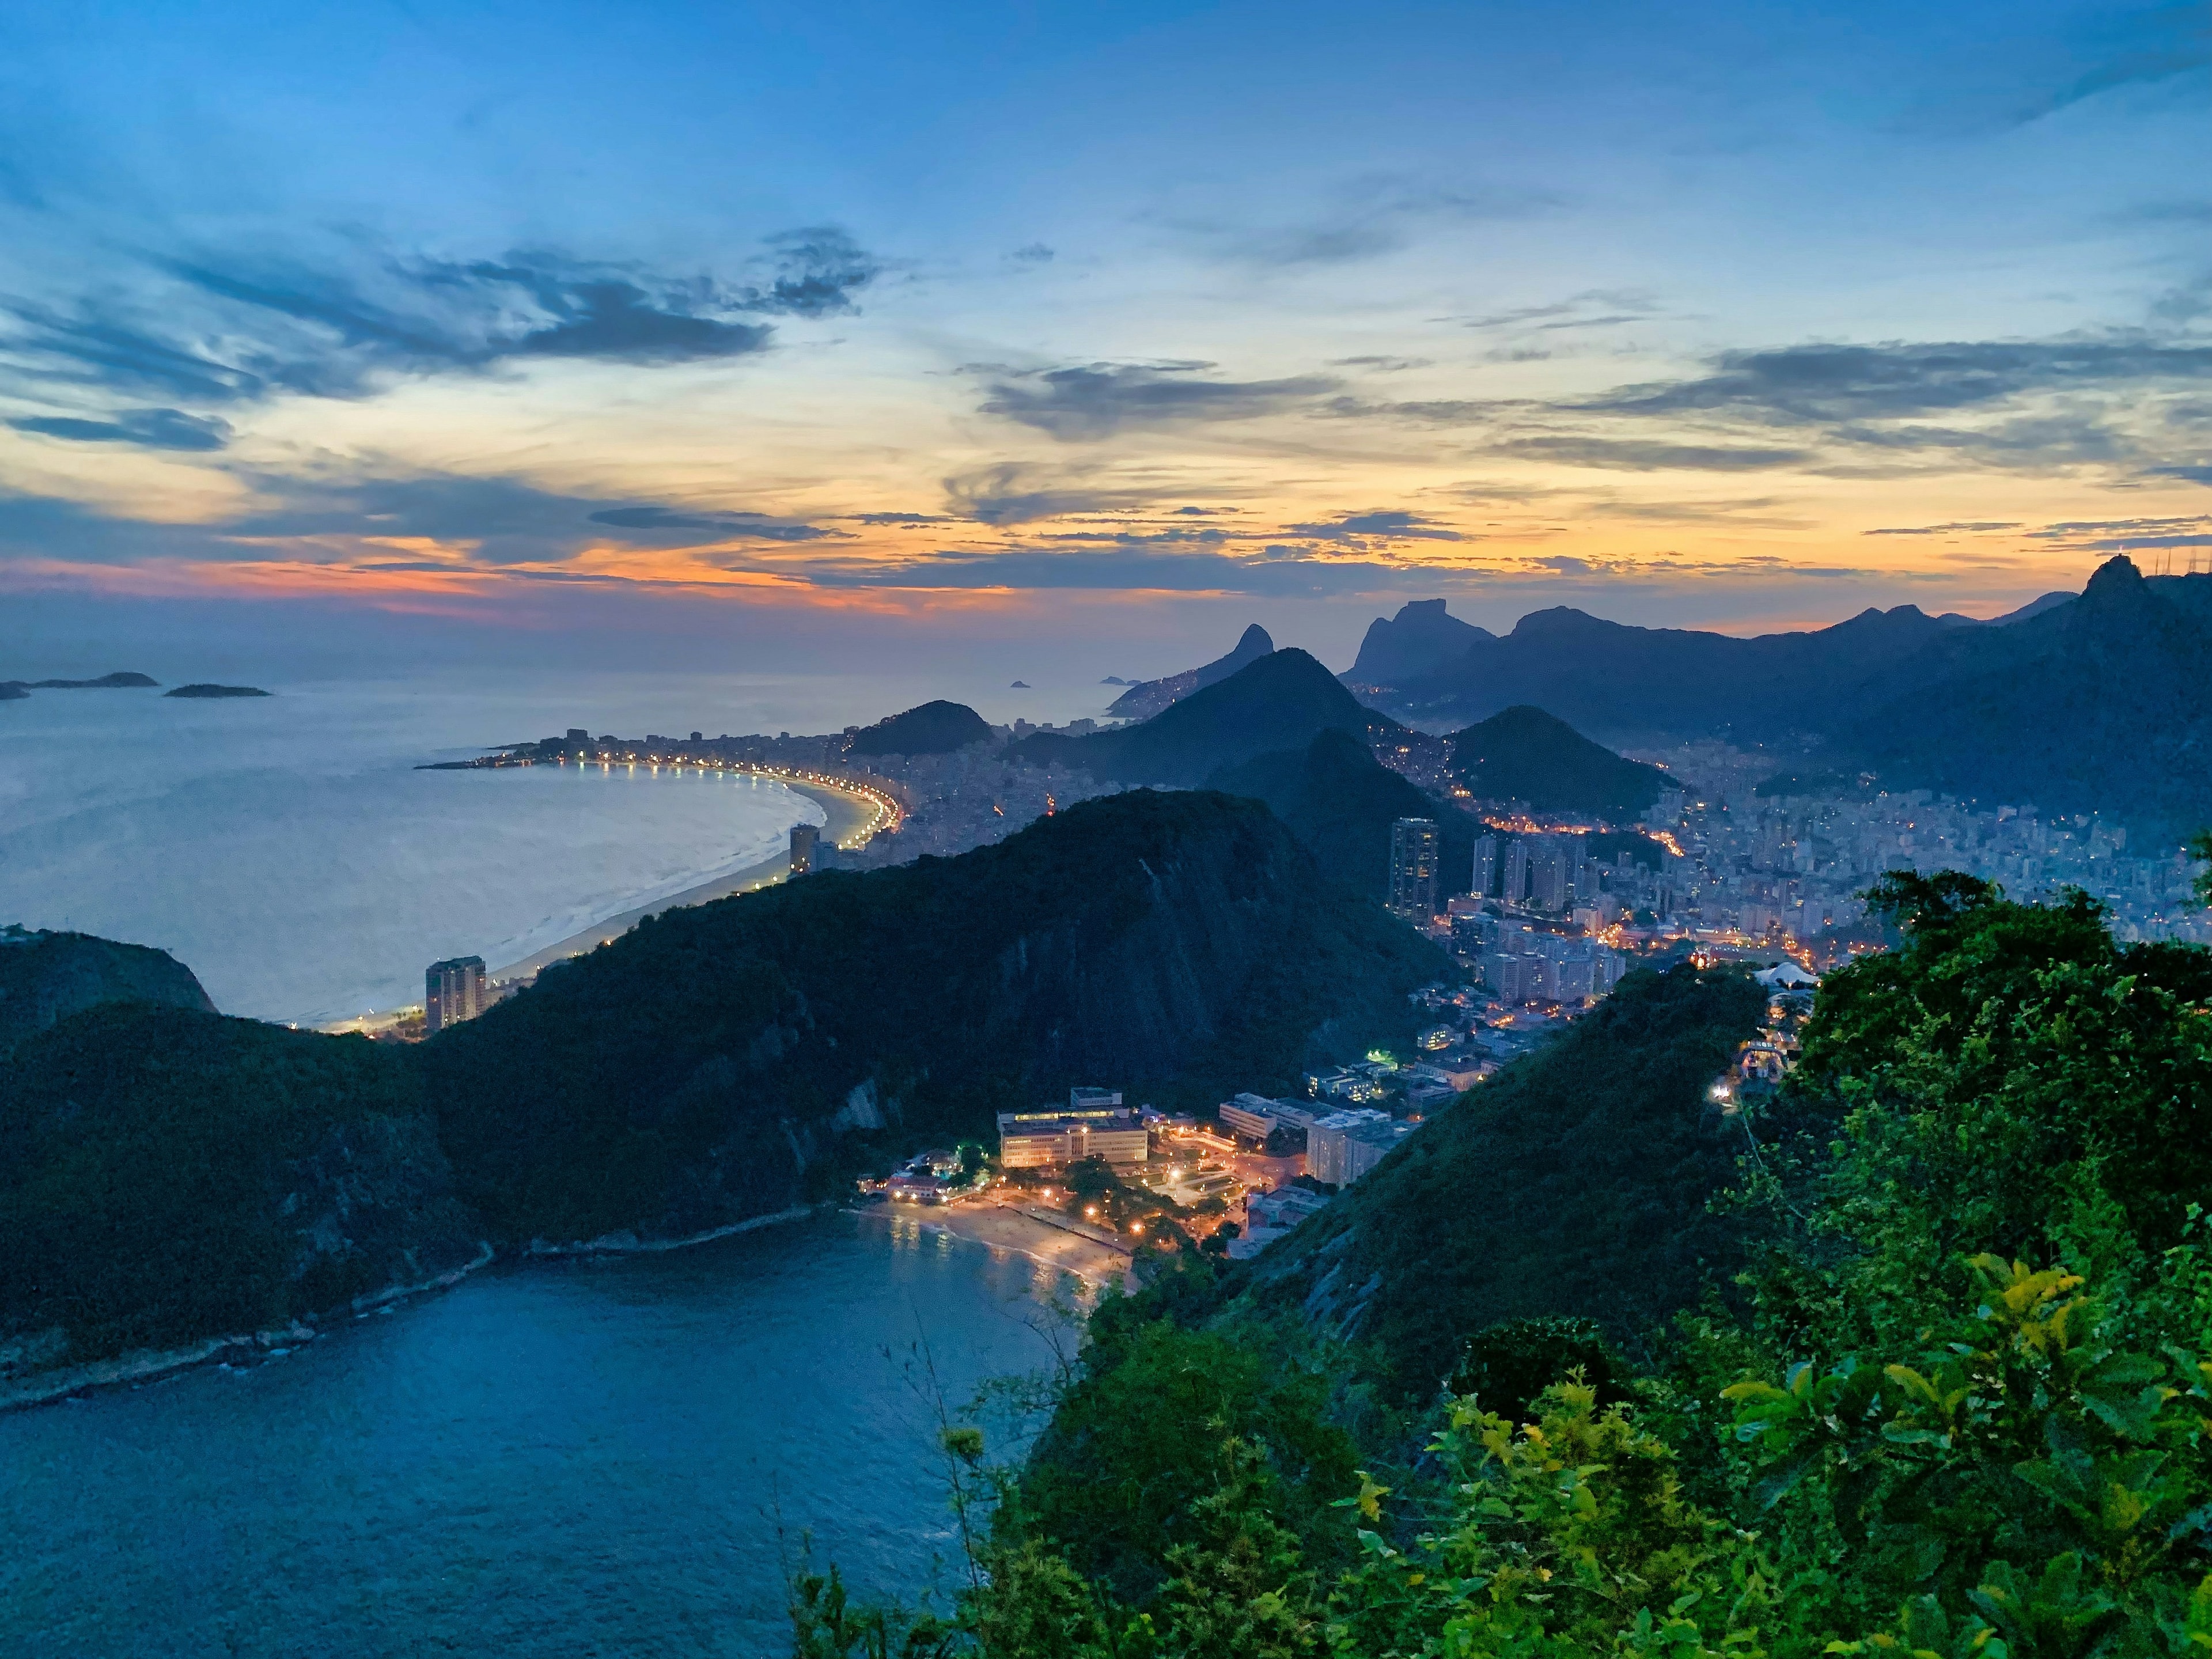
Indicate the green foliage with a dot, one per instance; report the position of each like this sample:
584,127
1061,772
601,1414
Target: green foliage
692,1071
1505,1368
1574,1182
168,1175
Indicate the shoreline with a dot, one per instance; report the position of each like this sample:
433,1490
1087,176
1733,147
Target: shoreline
849,813
629,1243
1015,1230
143,1366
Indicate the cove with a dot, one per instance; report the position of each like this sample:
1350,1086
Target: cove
558,1458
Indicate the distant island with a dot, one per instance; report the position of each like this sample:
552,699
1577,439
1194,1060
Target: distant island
11,690
217,691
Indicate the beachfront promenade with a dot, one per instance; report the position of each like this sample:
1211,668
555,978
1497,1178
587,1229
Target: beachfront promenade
857,809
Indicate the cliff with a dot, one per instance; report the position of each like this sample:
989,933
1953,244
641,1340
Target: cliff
709,1065
45,977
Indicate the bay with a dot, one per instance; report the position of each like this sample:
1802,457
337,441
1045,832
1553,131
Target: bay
600,1458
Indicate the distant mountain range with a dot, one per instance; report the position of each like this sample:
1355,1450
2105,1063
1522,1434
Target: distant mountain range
2101,700
1278,701
1145,698
934,728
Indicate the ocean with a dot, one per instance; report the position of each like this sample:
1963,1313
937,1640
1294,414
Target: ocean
286,849
610,1457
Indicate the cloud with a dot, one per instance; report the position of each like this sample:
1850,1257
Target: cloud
1596,307
1363,218
148,428
1961,527
1035,253
1648,454
1359,528
1087,403
1021,492
722,526
219,334
1382,365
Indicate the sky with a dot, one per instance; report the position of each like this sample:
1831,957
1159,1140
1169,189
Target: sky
794,334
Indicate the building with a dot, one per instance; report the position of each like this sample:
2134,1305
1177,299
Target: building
1345,1145
1092,1100
1253,1116
453,991
1054,1138
1486,867
805,837
1514,887
1414,887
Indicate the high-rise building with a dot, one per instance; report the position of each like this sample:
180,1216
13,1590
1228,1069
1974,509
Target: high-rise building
1515,888
1550,873
804,836
1486,867
453,991
1413,888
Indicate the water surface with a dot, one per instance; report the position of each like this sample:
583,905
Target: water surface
554,1459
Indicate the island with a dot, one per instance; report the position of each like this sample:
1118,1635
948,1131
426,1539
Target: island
105,683
217,691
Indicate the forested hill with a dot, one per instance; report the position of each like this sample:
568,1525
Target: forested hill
1574,1182
1524,754
1180,946
932,728
1279,701
47,976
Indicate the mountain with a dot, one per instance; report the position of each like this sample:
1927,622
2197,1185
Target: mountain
1574,1182
168,1175
1524,754
2103,704
1278,702
1419,640
934,728
1625,684
1145,698
47,976
1340,802
704,1068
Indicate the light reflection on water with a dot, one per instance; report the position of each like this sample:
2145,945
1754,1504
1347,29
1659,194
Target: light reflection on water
587,1458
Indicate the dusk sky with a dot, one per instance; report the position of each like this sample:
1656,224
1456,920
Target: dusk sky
776,327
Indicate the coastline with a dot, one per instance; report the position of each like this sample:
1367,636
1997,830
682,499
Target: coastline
629,1243
849,815
142,1365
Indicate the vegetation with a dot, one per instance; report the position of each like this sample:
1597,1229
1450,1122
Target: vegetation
932,728
1524,754
47,976
168,1175
1955,1401
1340,801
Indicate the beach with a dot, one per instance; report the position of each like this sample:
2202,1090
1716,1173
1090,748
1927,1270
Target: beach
1091,1254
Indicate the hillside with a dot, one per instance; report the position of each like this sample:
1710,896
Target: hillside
1524,754
2104,704
932,728
1340,802
168,1175
1148,697
1574,1182
47,976
702,1068
1277,703
1419,640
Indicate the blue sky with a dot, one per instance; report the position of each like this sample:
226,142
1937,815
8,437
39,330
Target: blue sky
938,326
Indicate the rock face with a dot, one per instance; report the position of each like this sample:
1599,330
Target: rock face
46,976
1419,640
1179,946
1145,698
1279,701
934,728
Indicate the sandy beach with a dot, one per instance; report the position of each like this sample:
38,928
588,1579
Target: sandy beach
1059,1242
850,819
